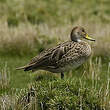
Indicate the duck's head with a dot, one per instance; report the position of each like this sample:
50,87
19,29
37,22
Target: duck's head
79,33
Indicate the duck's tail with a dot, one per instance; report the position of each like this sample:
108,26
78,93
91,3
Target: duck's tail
19,68
26,68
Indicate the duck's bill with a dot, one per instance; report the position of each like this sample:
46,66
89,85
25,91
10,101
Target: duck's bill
89,38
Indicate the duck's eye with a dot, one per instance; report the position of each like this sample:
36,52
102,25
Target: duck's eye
83,32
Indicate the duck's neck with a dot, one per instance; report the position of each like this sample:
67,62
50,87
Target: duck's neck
75,39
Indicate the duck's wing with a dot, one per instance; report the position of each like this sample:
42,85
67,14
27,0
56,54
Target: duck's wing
47,58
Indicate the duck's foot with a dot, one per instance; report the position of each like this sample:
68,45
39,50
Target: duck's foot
62,75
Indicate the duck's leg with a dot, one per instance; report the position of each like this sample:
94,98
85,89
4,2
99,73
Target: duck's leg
62,75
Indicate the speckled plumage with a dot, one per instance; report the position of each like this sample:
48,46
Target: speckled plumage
61,58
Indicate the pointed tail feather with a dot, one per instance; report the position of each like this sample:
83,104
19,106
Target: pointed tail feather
26,68
19,68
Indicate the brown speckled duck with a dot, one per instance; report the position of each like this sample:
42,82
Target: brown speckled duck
65,56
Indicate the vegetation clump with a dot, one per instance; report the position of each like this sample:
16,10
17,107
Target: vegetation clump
64,95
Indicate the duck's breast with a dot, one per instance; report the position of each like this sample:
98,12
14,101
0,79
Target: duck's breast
80,54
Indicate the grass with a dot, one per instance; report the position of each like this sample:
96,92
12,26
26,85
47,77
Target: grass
88,86
16,12
33,39
18,79
4,78
29,27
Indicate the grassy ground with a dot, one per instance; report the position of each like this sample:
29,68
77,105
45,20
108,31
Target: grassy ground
87,86
29,27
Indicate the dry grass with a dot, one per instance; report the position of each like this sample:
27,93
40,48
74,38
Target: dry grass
27,38
4,78
7,102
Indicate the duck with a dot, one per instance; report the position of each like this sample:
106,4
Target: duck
63,57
